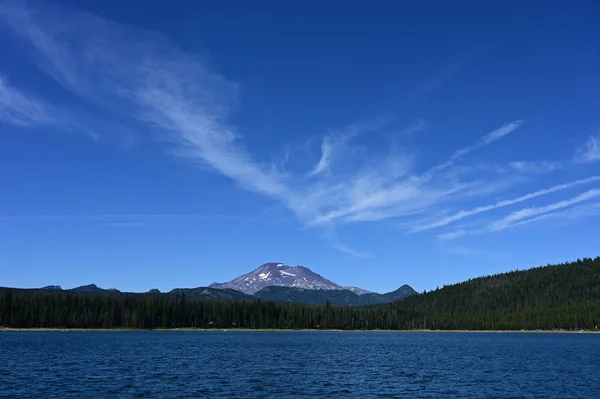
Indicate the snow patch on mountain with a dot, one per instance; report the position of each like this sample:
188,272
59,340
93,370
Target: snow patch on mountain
264,276
356,290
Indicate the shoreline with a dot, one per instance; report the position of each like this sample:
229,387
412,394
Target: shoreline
258,330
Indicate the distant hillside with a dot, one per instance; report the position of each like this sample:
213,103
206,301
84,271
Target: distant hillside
91,289
210,293
271,281
565,296
52,287
94,290
335,297
271,293
310,297
401,293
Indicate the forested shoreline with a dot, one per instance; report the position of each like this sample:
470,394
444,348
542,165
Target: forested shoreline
565,296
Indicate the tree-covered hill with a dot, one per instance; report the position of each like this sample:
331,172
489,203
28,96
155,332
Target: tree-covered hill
551,297
93,290
336,297
564,296
271,293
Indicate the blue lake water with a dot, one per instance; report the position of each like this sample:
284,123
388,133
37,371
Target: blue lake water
298,365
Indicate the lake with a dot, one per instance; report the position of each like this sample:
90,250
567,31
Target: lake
298,365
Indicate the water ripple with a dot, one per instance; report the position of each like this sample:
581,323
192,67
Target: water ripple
298,365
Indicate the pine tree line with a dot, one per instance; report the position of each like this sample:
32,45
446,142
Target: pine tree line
565,296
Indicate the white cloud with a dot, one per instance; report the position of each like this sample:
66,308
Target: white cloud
489,138
174,92
325,161
26,110
336,146
93,135
466,251
453,234
590,152
463,214
580,211
526,213
141,77
21,109
351,252
558,210
535,166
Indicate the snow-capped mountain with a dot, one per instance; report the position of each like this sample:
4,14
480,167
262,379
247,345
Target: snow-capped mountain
279,274
356,290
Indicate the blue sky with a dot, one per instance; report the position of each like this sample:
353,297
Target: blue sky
174,144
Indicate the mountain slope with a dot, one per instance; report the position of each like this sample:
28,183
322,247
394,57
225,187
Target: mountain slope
336,297
357,290
91,288
278,274
401,293
52,287
192,294
309,297
281,283
210,293
565,296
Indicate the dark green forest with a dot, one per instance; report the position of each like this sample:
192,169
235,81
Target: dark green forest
565,296
336,297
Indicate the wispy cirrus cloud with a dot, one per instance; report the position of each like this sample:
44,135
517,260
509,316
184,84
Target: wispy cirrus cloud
453,234
325,161
26,110
142,78
351,252
454,67
21,109
419,126
337,145
489,138
590,152
526,213
464,214
576,212
180,97
536,167
93,135
535,214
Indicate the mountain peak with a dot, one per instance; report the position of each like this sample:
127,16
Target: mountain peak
52,288
278,274
269,266
86,288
